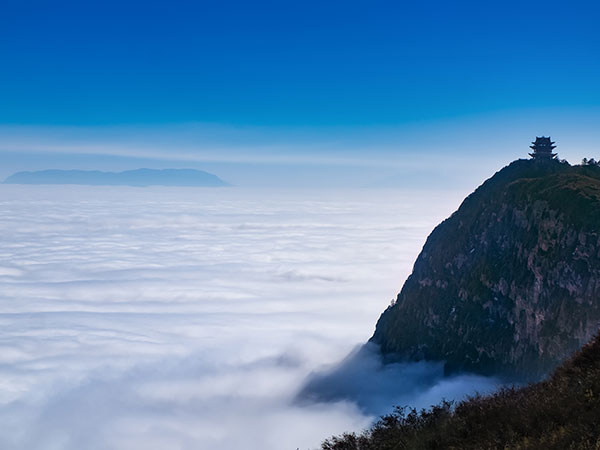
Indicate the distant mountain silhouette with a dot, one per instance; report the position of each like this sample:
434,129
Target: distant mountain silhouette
139,177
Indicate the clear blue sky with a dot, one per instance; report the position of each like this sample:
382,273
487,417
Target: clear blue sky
284,67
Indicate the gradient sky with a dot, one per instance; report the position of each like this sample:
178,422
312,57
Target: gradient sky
293,82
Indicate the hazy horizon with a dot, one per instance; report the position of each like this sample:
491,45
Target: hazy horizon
459,152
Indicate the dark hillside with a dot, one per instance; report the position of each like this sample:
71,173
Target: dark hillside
560,413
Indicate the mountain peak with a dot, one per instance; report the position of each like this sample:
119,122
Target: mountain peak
508,283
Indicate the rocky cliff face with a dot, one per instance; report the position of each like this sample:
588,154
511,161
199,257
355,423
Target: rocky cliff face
510,283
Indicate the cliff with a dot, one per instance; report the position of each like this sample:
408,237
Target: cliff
510,283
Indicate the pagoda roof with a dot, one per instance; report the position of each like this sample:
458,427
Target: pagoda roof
543,140
543,144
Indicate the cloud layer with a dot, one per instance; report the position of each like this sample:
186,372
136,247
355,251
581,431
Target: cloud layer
190,318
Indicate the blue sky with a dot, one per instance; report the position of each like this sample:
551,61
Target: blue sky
289,81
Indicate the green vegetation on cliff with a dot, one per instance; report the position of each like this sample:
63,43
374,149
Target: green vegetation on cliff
560,413
507,285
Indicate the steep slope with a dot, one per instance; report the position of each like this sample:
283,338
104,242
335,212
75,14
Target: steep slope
560,413
510,283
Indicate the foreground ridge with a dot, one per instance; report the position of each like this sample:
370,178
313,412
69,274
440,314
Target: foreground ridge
562,412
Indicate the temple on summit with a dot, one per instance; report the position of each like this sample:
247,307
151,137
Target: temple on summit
542,148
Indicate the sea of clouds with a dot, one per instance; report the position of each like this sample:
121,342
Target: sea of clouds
174,318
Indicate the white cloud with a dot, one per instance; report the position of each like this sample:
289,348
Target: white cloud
190,318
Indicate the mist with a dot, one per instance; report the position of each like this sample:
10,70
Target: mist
373,386
152,318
